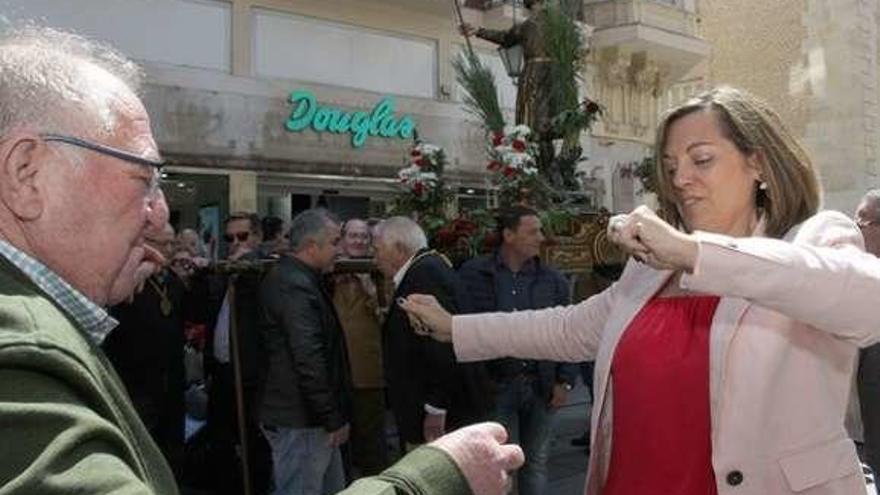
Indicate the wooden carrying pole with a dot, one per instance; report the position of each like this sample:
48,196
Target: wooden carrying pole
239,390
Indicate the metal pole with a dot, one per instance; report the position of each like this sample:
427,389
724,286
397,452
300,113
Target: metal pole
239,391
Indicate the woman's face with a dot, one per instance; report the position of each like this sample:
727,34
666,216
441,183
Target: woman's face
713,182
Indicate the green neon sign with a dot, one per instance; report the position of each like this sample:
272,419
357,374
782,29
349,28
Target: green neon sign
381,121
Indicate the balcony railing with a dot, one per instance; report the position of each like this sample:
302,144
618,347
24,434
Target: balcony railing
661,14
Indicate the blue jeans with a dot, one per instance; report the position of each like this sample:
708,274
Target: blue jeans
529,421
303,462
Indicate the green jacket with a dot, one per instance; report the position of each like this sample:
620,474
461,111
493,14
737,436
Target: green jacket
424,471
68,426
66,423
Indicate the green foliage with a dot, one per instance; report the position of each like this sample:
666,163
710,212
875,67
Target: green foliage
565,45
646,171
481,93
557,221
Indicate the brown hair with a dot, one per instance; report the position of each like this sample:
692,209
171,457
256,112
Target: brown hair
793,191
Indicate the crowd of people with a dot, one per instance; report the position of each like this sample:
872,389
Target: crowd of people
302,375
724,355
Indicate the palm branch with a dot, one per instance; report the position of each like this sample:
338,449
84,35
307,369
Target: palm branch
481,93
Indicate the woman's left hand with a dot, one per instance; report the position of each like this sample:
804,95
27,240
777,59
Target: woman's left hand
651,240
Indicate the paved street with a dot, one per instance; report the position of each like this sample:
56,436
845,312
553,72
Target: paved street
568,465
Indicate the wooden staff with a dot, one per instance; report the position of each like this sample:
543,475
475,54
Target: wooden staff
239,389
467,36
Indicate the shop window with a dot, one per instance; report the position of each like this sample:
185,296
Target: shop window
200,202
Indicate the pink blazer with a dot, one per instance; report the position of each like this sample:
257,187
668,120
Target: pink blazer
784,342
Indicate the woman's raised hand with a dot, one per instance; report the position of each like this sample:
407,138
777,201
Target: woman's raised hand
651,240
427,316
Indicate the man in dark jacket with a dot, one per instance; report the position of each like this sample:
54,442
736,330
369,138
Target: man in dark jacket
215,308
306,398
527,392
430,392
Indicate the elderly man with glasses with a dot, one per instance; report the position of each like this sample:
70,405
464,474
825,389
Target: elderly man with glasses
78,193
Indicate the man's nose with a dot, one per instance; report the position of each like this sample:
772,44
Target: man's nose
157,211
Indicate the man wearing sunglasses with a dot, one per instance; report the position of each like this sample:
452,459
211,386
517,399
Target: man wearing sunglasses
242,236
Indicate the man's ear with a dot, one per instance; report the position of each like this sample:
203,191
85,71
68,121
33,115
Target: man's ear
506,235
22,161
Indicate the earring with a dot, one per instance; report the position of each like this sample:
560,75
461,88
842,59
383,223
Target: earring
762,185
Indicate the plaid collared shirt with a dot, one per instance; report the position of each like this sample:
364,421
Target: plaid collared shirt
94,319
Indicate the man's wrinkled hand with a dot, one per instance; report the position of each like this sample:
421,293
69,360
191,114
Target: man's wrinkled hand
340,436
486,462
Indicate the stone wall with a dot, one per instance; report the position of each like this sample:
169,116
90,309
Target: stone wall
815,62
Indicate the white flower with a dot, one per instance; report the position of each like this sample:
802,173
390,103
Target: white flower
409,174
521,131
428,149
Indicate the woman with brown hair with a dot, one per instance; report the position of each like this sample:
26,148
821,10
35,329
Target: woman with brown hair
727,346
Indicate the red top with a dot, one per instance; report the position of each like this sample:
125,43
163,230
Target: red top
661,440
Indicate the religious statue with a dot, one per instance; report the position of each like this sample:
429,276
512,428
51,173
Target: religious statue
536,102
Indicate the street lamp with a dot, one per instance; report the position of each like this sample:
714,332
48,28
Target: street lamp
512,58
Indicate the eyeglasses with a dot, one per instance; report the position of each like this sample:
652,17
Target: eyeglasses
154,183
241,236
105,150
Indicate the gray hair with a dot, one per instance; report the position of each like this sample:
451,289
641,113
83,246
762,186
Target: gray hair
46,81
403,233
871,199
309,225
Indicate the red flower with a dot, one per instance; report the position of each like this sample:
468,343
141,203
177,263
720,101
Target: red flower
415,153
497,138
494,166
418,188
519,145
509,171
423,162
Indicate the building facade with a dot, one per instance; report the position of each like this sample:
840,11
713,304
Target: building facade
221,75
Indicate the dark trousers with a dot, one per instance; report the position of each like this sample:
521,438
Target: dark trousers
869,401
223,436
368,449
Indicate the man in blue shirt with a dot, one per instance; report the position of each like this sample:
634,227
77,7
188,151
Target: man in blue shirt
527,392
